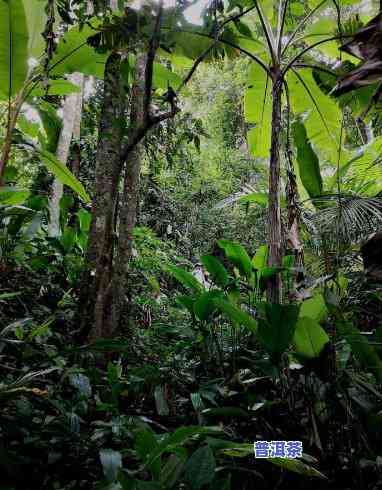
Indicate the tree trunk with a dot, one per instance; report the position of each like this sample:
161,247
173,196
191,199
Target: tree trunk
108,166
71,114
130,197
274,290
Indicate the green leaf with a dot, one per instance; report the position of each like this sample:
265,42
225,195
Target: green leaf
277,329
148,485
309,338
29,128
258,111
185,278
187,302
179,437
62,173
68,239
205,305
322,115
237,315
216,269
236,412
296,466
84,218
111,463
200,468
163,77
73,54
36,20
145,444
171,471
309,167
314,308
324,28
362,350
237,255
4,296
260,259
13,196
257,197
56,87
52,124
297,9
13,47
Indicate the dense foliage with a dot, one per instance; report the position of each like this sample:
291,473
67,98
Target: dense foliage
190,244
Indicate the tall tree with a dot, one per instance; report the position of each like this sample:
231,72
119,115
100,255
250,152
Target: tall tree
130,196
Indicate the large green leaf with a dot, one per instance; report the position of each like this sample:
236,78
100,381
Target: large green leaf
362,350
177,438
52,124
162,77
62,173
13,196
205,305
237,316
363,168
200,468
258,111
260,259
295,465
237,255
324,28
322,116
216,269
73,54
277,329
309,166
145,443
314,308
309,338
185,278
186,301
56,87
36,20
13,47
257,197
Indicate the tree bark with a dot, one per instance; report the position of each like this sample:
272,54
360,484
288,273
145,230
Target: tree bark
130,197
274,290
108,167
71,113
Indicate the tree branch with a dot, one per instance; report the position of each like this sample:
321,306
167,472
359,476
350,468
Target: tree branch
153,46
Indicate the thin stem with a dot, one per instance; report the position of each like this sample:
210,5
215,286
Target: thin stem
212,46
316,67
267,33
300,24
308,48
280,27
235,46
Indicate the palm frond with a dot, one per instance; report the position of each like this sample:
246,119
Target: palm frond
246,190
346,219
